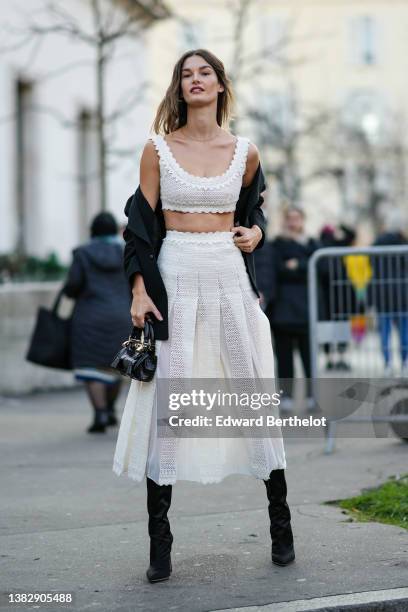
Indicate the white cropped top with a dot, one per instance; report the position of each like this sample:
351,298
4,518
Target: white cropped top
185,192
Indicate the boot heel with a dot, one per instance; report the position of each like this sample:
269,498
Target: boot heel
158,575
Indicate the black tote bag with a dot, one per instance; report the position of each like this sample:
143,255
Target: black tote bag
50,340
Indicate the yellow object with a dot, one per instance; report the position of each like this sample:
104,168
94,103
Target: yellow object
359,270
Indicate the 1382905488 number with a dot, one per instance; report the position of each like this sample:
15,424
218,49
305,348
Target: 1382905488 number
38,597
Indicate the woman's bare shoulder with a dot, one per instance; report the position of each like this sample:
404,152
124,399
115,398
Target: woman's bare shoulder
229,138
252,163
150,173
150,149
253,154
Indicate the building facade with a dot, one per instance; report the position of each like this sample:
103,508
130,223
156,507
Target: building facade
321,90
49,188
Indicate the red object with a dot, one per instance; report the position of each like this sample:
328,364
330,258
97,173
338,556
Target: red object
358,327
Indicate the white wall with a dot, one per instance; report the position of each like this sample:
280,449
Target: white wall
54,214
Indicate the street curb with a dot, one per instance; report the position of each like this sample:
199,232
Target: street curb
390,600
399,605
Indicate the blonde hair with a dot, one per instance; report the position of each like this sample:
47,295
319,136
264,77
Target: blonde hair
172,111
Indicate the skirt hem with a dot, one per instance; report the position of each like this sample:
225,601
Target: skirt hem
138,476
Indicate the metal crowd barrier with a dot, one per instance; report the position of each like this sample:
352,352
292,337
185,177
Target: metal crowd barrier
358,310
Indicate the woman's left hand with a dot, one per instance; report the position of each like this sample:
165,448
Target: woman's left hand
248,238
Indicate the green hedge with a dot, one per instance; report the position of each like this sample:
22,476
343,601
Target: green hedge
22,268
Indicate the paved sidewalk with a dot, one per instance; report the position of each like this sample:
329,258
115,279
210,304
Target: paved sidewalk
68,523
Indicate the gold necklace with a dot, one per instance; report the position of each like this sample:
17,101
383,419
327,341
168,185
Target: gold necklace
200,139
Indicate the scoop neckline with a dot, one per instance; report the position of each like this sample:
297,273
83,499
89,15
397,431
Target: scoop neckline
195,176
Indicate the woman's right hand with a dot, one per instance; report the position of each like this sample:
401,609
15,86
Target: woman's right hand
141,305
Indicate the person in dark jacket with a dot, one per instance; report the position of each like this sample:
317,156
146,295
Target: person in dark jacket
335,297
100,319
388,293
288,307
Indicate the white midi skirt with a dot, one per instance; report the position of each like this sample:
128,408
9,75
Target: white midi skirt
217,329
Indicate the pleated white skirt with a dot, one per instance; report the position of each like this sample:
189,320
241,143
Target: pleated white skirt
217,329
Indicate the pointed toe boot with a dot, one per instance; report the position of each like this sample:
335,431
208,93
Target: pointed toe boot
161,538
283,551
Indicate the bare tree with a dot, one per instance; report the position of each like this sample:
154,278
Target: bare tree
245,65
283,136
111,22
279,140
377,175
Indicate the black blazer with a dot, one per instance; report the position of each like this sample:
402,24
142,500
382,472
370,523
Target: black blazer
146,229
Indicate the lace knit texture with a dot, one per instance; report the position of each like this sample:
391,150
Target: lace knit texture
217,329
186,192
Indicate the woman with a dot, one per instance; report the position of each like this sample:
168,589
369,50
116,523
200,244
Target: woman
288,311
100,318
196,180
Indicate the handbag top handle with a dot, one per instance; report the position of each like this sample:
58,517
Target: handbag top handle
147,331
57,300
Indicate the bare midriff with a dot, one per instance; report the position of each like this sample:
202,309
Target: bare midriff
198,222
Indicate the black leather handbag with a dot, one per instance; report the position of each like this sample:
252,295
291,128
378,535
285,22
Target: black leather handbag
51,338
137,357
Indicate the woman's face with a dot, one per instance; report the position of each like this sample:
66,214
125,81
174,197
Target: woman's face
294,222
199,82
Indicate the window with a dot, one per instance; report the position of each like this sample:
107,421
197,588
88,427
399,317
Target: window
88,173
26,165
364,40
273,33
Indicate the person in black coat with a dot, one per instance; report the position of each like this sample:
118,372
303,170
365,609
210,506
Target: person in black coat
100,318
287,309
337,300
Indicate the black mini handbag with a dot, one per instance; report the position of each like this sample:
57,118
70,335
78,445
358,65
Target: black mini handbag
137,357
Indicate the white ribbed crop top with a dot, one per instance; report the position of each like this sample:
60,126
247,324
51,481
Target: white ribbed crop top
185,192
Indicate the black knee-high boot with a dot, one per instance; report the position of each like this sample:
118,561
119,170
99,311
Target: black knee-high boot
283,551
161,538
